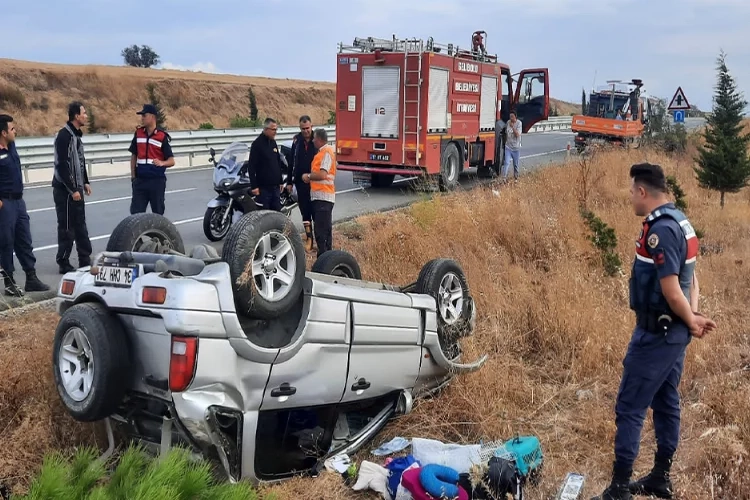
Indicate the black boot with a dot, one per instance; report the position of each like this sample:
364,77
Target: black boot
657,483
33,284
11,287
618,488
65,267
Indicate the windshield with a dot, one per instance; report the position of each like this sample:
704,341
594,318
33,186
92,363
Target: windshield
232,159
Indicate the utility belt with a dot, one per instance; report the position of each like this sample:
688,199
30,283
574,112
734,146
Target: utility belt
11,196
656,323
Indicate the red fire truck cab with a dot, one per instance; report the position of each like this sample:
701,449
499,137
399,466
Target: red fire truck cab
416,108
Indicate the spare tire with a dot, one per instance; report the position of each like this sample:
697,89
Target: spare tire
445,281
337,263
145,232
266,260
91,361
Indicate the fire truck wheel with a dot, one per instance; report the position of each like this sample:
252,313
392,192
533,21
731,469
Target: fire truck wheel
450,167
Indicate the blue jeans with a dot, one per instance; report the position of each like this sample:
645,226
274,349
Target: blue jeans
516,156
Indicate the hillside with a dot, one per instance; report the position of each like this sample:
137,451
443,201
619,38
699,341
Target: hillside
37,94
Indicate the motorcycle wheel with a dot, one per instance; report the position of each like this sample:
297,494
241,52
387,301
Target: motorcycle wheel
212,227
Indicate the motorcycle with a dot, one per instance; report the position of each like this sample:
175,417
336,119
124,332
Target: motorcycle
235,199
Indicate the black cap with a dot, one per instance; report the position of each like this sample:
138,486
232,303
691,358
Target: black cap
148,108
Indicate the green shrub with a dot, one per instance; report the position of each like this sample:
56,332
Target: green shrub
206,126
241,122
175,476
604,238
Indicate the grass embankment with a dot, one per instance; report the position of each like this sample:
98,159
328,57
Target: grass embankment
555,325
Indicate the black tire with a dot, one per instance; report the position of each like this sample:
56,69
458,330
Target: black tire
208,232
450,168
145,232
110,353
243,240
429,282
337,263
382,180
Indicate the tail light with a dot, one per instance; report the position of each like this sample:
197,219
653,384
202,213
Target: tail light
67,287
154,295
182,362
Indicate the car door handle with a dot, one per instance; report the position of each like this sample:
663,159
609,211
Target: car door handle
361,385
283,390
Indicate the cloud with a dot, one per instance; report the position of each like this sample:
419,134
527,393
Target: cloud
203,67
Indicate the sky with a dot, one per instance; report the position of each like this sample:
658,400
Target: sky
668,44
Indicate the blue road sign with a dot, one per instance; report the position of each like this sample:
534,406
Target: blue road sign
679,116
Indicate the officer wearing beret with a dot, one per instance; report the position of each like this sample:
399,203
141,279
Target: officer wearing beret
664,296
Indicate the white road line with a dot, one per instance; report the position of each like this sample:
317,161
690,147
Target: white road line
110,200
197,219
96,238
182,170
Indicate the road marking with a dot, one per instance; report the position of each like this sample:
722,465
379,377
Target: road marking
181,170
96,238
198,219
109,200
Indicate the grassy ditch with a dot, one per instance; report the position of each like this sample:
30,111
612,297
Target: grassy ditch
555,324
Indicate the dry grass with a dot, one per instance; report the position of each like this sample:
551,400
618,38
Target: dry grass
116,93
555,327
565,108
37,94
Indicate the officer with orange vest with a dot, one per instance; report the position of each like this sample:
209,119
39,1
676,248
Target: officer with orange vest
151,155
322,190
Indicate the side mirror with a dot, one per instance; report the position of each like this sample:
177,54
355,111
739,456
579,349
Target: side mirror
212,152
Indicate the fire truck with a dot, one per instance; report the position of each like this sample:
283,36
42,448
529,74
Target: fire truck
414,107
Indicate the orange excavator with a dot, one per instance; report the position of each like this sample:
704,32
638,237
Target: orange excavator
615,114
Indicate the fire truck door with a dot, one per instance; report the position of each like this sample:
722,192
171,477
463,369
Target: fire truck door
532,97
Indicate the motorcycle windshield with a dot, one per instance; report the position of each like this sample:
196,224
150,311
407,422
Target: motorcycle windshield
231,161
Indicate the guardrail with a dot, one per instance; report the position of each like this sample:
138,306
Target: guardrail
38,152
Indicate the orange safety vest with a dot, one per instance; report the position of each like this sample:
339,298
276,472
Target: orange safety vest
325,160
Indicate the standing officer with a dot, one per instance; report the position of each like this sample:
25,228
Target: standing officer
15,231
265,167
69,184
322,190
664,296
151,155
303,152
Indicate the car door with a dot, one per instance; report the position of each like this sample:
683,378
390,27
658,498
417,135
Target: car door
311,370
531,99
385,347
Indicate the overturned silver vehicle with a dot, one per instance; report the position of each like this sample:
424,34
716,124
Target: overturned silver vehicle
245,357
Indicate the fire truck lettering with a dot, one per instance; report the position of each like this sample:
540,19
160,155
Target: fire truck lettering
467,87
468,67
466,107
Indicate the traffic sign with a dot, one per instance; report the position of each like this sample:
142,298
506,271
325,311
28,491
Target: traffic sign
679,116
679,101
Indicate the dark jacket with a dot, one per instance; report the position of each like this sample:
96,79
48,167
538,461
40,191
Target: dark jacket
11,178
65,175
301,158
265,163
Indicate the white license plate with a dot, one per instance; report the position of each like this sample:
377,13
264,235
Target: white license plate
116,276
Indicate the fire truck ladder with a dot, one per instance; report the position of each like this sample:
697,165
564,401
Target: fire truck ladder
414,49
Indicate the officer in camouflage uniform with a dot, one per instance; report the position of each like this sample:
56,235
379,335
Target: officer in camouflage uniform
664,296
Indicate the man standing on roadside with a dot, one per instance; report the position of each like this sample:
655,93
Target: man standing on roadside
664,297
512,145
322,190
265,167
69,184
303,152
151,155
15,230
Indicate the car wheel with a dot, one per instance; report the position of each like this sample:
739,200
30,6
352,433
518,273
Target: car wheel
145,232
445,281
213,228
267,265
91,361
450,167
337,263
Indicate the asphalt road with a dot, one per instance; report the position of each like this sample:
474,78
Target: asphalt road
189,190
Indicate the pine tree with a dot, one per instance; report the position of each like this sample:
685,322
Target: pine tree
584,107
723,164
253,106
161,118
91,127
